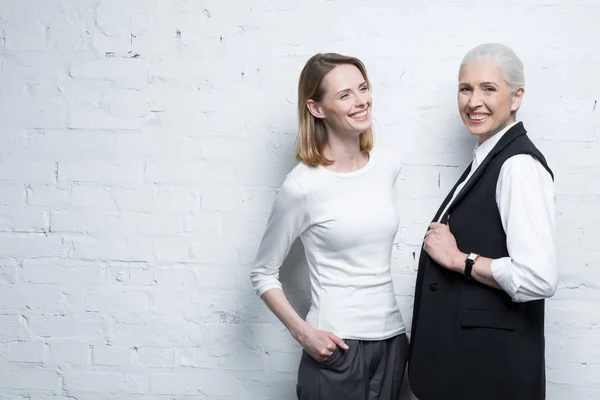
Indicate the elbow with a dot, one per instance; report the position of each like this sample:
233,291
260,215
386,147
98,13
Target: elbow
536,283
255,280
549,282
548,288
262,281
252,276
545,288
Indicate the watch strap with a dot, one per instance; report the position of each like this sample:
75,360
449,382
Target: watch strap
469,262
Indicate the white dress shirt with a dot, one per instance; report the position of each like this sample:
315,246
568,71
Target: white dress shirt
525,199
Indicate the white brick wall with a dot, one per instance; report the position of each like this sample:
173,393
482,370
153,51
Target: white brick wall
141,145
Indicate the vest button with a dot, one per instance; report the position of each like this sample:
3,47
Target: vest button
433,286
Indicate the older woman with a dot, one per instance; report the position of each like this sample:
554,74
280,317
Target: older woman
339,201
488,259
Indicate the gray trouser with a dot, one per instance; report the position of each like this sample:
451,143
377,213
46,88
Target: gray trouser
369,370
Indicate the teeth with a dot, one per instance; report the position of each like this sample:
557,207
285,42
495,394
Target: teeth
359,115
478,116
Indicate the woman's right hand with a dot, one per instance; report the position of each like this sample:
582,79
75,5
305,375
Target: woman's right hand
319,344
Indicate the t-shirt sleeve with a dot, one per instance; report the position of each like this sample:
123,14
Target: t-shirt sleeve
289,218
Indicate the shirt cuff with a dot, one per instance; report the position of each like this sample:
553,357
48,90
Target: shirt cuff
261,290
501,272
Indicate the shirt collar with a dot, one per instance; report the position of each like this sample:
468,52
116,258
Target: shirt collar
481,151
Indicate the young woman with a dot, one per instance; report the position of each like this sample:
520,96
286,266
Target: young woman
339,201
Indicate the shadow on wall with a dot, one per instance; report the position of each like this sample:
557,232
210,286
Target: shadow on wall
294,277
259,347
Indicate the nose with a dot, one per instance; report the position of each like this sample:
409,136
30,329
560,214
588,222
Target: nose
361,100
475,99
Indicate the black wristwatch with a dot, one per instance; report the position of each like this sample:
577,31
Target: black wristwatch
469,262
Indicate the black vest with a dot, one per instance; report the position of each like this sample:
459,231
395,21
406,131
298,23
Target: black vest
470,341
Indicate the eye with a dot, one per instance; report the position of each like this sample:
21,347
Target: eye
364,89
490,89
464,89
344,96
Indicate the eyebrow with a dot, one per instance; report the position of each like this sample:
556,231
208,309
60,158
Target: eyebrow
482,83
347,90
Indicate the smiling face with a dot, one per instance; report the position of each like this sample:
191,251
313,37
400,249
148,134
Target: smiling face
345,106
486,102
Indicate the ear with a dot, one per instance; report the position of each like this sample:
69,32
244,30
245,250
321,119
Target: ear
315,109
516,100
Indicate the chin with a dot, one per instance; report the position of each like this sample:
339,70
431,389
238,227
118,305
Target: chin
364,125
478,129
358,129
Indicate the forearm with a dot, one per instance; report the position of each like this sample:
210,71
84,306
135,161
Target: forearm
280,306
481,272
531,286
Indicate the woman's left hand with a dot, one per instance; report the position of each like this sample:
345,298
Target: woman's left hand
440,244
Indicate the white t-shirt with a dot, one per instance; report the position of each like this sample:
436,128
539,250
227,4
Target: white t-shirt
347,223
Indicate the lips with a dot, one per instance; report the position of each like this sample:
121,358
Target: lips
360,116
478,118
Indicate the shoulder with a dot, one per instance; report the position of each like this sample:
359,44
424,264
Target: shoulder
523,164
302,179
292,188
524,169
310,179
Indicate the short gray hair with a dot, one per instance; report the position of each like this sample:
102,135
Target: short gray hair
503,57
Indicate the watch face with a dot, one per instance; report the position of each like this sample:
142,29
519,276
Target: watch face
472,257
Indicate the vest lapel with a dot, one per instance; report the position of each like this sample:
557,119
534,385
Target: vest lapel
508,137
449,197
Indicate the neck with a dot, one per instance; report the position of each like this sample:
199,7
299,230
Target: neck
345,153
483,138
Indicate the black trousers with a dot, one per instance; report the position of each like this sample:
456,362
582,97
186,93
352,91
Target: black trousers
368,370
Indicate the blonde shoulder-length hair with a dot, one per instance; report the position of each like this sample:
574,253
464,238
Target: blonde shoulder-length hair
312,134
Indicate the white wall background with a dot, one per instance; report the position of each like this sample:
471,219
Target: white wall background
142,142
